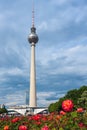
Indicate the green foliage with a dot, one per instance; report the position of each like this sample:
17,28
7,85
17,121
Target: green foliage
54,107
82,89
76,95
73,95
51,108
3,110
59,103
82,101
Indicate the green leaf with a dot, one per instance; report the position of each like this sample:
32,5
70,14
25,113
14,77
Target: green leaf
61,129
74,114
54,129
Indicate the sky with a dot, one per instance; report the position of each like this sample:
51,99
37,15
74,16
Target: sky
61,52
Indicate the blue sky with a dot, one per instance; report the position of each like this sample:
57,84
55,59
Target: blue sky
61,53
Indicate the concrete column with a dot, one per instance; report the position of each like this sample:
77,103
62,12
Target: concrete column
33,99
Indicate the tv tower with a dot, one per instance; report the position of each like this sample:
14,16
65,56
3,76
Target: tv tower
33,39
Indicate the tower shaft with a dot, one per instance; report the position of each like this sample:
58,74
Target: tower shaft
33,99
33,39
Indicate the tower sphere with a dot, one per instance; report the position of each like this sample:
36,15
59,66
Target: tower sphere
33,38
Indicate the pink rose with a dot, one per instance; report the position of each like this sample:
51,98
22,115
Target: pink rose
67,105
23,127
45,128
80,109
62,113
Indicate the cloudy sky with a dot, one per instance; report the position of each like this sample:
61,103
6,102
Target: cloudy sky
61,53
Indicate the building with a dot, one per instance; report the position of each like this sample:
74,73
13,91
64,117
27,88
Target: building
32,108
33,39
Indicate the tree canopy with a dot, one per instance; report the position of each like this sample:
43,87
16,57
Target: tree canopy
78,96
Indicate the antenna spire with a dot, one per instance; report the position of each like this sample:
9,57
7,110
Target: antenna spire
33,17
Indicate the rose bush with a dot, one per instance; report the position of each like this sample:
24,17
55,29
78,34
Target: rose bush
63,120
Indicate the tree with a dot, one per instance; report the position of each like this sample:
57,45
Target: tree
74,95
82,101
55,107
51,107
3,109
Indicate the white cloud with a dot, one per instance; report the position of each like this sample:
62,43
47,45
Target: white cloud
43,26
13,71
60,2
63,18
60,61
53,96
15,98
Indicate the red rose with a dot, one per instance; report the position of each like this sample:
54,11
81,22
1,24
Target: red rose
45,128
80,110
67,105
38,122
6,127
36,117
44,118
23,127
58,117
81,124
15,120
62,113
